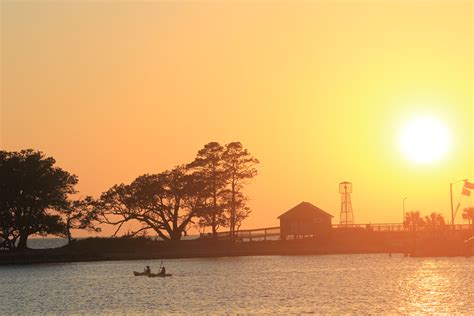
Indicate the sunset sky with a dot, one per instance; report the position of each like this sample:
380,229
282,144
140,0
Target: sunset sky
318,91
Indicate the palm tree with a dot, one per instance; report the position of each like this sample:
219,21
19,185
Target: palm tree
468,215
413,220
435,220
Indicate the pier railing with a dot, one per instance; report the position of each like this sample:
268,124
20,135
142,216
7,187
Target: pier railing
400,227
267,233
273,233
384,227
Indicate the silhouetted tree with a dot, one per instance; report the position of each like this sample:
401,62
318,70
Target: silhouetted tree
208,166
165,202
468,215
435,220
31,186
8,236
242,211
239,166
413,220
80,214
209,189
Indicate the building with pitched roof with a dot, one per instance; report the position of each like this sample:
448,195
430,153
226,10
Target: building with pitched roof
304,220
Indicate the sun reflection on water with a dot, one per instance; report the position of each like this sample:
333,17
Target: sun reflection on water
432,288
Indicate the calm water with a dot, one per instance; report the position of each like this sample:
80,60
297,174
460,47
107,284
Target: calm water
246,285
42,243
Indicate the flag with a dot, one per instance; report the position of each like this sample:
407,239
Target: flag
468,185
466,192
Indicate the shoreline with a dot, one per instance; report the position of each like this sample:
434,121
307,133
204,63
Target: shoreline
141,248
28,257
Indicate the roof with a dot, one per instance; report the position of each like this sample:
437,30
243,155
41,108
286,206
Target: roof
305,207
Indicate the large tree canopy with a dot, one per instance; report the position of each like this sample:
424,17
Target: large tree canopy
209,167
165,202
30,187
239,165
208,189
80,214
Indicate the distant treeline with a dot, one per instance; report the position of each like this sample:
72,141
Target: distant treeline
414,221
35,197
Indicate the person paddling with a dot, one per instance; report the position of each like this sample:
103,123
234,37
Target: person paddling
147,270
163,270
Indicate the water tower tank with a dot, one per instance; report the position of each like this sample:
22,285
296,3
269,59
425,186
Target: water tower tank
345,187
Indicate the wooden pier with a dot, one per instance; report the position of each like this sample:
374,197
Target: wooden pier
273,233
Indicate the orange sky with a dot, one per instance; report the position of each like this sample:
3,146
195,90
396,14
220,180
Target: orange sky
316,90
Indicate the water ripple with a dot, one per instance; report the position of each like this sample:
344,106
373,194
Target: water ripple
336,284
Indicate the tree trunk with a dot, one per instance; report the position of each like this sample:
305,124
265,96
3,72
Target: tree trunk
232,212
175,235
22,243
214,226
214,217
68,232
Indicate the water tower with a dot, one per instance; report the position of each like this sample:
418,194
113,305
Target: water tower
347,217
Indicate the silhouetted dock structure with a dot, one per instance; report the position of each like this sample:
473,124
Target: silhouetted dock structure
267,233
309,229
307,221
274,233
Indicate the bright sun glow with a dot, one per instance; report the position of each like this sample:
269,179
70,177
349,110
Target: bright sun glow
424,140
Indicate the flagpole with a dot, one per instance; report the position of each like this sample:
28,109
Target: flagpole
452,206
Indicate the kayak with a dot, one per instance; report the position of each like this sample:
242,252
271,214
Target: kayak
154,275
135,273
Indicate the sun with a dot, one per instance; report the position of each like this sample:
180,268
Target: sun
424,140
